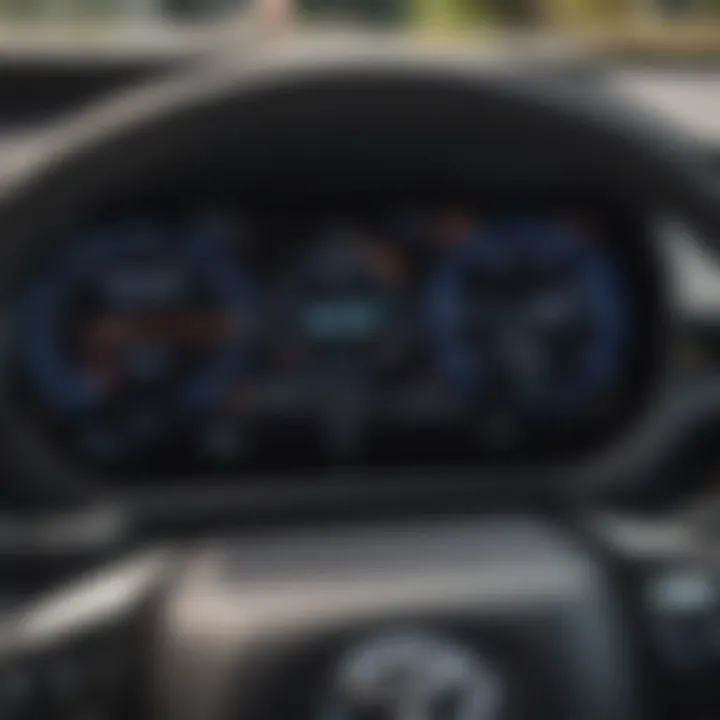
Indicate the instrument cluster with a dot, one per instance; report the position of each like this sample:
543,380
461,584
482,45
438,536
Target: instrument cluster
196,342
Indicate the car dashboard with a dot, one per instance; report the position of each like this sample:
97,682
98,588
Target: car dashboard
360,345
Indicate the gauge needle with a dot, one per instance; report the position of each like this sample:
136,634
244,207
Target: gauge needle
115,333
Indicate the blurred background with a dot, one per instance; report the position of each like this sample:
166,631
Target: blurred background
405,13
684,26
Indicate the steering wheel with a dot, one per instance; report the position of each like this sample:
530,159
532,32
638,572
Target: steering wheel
490,616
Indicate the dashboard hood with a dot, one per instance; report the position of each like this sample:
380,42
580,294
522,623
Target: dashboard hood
353,91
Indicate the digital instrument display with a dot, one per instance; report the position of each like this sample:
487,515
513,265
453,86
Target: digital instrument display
202,342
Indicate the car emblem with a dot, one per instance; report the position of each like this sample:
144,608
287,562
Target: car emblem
413,675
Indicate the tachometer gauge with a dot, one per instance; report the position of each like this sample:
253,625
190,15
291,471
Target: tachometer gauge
527,319
138,325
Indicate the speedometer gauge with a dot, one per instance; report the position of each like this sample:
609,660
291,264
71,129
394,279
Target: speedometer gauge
140,324
527,319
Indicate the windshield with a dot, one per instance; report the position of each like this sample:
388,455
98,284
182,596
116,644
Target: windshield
667,51
678,22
